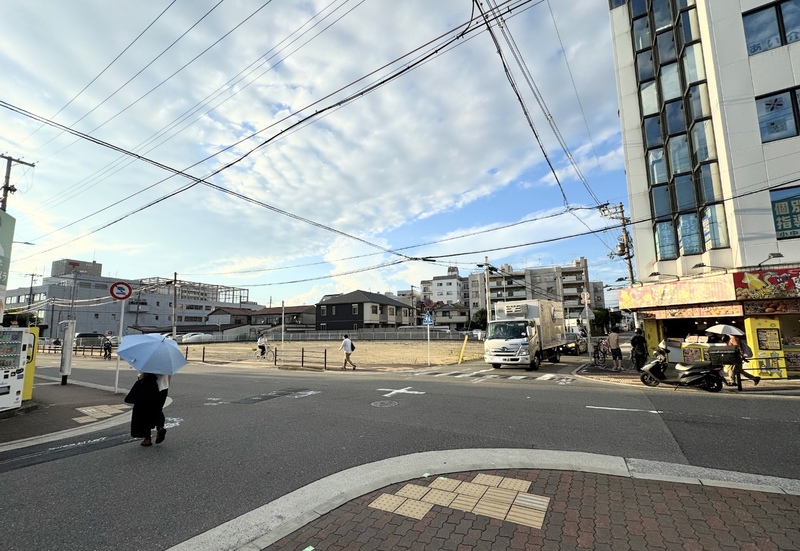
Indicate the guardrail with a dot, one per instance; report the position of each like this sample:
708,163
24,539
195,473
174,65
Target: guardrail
304,358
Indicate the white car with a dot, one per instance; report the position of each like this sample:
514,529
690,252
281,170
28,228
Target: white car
178,338
197,337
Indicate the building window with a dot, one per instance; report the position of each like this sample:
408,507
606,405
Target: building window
662,15
333,310
688,27
676,121
670,82
323,310
658,166
641,34
699,106
644,64
666,48
776,117
684,193
374,309
391,310
97,316
786,212
693,68
355,309
762,31
652,132
705,148
665,241
678,151
710,184
715,227
688,234
649,98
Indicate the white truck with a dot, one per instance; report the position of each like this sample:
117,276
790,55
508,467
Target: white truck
524,332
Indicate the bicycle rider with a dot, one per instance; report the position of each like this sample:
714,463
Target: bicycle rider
262,344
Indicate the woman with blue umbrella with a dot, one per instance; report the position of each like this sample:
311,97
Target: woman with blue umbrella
157,358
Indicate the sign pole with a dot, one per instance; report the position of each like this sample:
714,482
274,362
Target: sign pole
121,291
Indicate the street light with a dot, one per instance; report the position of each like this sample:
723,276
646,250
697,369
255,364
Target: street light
770,257
704,265
659,274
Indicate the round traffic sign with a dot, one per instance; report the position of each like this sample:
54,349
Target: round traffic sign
120,290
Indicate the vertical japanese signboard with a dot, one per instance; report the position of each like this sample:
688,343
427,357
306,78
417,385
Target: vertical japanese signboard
7,223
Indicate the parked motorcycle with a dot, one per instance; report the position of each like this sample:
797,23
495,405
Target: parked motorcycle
704,375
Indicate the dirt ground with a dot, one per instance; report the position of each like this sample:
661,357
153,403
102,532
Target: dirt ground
367,353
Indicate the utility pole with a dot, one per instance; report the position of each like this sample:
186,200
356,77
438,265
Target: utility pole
624,247
7,187
30,296
174,302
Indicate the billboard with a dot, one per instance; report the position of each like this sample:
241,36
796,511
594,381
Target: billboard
7,224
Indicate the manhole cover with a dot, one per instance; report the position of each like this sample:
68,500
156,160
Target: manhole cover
384,404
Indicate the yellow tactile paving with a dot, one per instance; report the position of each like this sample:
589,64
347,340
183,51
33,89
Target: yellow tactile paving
463,502
387,502
446,484
414,509
471,489
526,517
439,497
413,491
501,495
492,509
532,501
488,480
515,484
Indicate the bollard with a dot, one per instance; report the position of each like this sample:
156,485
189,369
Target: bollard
302,357
324,359
204,354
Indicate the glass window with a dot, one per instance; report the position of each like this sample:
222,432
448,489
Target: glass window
715,227
638,7
689,234
688,27
791,20
678,151
676,121
641,34
680,4
649,97
665,241
670,82
703,143
644,63
662,203
684,193
776,117
662,14
693,68
666,48
761,30
652,132
710,184
699,105
658,166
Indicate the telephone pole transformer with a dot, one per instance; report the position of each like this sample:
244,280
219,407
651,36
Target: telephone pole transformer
624,248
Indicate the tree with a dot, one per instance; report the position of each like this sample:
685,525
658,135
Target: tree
479,319
600,321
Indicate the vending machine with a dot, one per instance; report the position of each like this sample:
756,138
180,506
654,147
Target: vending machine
14,342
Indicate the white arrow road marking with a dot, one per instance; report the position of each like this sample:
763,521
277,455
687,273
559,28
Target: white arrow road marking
626,409
392,392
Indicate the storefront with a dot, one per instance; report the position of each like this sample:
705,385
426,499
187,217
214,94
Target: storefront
765,304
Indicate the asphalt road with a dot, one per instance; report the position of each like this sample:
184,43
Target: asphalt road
241,438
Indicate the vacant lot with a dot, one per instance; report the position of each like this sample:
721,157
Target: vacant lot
367,353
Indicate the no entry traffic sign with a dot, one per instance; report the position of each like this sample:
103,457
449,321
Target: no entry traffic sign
120,290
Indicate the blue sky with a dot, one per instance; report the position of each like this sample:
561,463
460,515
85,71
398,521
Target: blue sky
441,152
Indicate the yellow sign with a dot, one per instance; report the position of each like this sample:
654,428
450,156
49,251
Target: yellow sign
696,291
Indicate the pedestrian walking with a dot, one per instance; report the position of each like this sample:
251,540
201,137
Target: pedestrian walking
163,391
107,349
616,351
745,353
144,395
348,347
638,349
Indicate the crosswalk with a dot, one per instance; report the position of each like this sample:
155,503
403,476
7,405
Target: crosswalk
485,375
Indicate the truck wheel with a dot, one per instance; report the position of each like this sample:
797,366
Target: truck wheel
535,363
496,366
555,358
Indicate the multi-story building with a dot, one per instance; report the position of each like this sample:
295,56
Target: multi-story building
562,283
447,289
360,310
708,96
78,290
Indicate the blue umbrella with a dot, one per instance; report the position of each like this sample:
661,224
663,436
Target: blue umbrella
151,353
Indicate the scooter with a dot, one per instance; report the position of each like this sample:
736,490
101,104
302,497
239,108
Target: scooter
704,375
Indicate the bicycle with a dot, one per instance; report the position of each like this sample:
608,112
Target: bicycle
269,355
601,351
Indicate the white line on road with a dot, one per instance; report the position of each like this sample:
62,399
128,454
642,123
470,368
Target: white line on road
405,390
484,378
627,409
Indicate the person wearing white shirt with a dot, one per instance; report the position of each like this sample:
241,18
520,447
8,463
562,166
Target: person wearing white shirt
347,346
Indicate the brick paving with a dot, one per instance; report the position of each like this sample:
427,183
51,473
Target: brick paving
586,511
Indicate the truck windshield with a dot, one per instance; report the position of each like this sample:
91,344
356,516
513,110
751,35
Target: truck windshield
506,330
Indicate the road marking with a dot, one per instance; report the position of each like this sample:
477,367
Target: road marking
546,377
627,409
485,378
392,392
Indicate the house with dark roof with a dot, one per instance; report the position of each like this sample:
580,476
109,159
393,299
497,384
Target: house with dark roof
360,310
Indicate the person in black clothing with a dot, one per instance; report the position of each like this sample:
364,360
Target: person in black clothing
147,404
638,349
107,349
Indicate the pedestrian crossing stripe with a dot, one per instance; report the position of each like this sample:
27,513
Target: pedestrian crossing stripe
482,375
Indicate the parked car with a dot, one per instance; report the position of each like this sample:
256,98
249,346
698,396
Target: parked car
88,339
575,344
197,337
178,338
